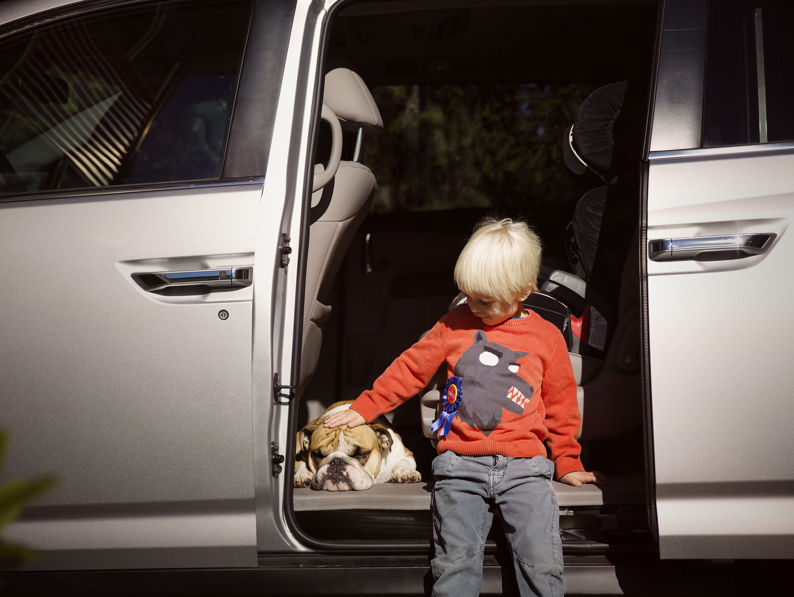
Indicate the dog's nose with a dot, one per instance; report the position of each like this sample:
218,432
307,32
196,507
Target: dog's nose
336,464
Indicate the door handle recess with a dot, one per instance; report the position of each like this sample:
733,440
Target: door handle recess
710,248
218,278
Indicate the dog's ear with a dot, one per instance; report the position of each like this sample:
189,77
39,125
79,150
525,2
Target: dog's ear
300,442
385,440
303,439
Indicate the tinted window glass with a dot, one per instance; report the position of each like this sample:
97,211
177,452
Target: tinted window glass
749,79
131,95
448,147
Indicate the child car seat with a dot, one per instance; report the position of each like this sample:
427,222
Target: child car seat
597,149
601,241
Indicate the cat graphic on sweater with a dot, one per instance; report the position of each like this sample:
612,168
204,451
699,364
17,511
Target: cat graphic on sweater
490,383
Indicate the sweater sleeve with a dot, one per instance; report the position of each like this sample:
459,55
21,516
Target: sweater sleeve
408,373
563,418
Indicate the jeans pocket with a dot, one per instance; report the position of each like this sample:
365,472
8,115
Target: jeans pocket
547,467
540,466
443,463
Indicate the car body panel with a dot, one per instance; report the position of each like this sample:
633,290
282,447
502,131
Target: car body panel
718,336
169,417
720,365
20,9
139,402
279,320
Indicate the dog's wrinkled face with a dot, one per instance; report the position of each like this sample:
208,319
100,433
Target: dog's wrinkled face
344,459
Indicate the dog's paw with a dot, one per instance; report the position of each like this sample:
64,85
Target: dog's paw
405,473
303,477
412,477
303,480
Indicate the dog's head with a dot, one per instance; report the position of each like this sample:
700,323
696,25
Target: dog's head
342,458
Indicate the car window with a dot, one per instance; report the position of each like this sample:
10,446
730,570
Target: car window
129,95
749,81
451,146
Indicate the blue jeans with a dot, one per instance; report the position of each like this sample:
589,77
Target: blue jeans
465,489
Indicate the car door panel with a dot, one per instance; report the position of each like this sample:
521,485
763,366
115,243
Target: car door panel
139,402
720,355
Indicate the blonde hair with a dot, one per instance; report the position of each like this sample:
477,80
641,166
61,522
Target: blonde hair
501,260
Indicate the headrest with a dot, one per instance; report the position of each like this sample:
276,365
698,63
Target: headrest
590,142
348,97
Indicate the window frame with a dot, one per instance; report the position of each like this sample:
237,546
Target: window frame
754,103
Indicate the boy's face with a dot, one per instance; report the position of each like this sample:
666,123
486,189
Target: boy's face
493,311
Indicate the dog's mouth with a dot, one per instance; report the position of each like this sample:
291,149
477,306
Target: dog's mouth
332,485
338,475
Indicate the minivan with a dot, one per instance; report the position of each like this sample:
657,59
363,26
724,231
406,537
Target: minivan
218,217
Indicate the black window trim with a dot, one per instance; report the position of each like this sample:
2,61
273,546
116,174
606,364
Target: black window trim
678,88
258,90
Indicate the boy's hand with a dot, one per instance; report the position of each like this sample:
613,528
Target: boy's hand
579,478
348,417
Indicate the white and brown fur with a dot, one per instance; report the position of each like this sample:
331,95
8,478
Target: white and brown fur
343,459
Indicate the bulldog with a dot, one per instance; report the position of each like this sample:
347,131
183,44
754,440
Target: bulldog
344,459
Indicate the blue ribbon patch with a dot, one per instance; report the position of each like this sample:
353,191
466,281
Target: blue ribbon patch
452,397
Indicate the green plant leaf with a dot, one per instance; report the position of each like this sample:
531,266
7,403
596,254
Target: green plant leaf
16,493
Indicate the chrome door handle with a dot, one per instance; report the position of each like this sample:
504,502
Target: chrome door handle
198,280
710,248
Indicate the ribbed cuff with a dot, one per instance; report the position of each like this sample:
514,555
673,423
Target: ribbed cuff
566,464
366,409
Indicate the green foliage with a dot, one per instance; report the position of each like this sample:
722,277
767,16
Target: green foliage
14,495
453,146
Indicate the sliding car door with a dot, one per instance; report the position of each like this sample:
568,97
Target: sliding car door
127,256
720,202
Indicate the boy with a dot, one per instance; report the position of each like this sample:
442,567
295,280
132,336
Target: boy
510,392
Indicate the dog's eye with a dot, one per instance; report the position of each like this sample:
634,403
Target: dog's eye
361,456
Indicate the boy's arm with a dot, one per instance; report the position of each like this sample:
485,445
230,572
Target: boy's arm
347,417
579,478
563,418
408,373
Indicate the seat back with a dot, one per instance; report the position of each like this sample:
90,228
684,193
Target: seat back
599,149
337,209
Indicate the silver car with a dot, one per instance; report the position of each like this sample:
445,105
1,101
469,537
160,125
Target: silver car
218,217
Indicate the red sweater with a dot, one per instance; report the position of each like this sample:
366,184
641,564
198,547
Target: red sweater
518,389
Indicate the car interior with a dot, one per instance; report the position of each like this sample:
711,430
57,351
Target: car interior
447,112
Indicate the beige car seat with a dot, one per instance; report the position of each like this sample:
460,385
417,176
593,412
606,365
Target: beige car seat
343,190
